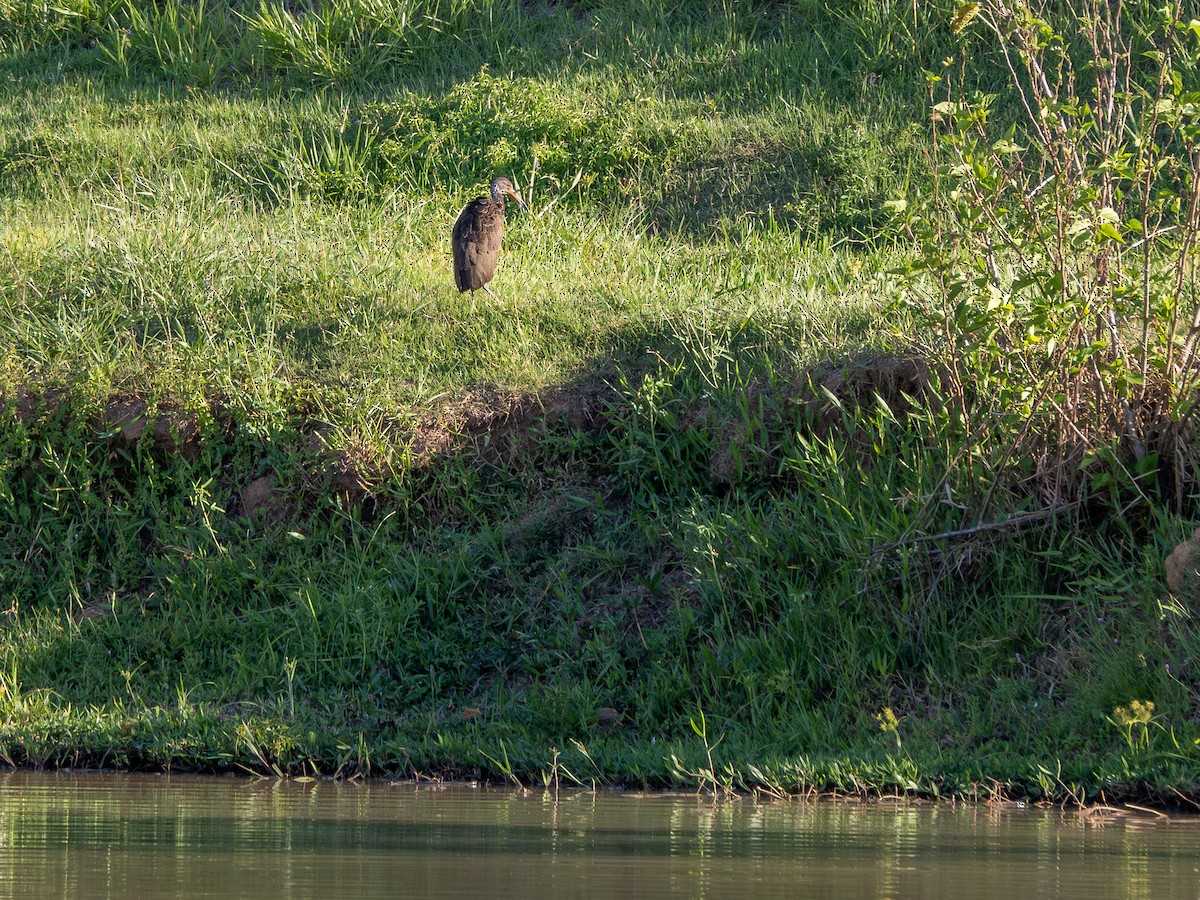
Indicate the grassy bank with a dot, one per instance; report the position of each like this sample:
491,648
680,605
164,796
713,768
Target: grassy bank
687,506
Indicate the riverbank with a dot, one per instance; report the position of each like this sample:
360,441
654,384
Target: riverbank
683,508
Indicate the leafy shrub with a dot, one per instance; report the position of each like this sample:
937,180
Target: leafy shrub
1058,264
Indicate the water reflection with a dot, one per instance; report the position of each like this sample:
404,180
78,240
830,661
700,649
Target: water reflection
108,835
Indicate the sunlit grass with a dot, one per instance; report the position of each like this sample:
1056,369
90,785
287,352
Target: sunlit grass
150,297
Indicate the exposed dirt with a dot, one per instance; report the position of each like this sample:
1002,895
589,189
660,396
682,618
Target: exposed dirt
491,422
31,404
170,429
488,423
896,380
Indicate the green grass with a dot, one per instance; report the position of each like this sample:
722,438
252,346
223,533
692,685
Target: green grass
239,221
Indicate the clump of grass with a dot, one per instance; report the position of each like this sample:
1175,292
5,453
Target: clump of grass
194,43
27,26
520,125
1134,721
355,40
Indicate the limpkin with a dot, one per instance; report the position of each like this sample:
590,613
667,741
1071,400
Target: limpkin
476,237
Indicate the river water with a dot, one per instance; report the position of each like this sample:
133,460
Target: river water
84,835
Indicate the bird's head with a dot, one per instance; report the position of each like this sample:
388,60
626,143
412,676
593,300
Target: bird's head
502,187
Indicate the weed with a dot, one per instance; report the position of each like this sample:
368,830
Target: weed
889,724
1134,722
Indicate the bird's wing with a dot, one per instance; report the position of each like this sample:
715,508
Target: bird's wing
476,238
460,237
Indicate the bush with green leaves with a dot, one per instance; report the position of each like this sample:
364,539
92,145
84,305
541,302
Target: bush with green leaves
1058,263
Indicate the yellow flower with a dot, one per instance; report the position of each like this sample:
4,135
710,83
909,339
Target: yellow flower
887,719
1138,712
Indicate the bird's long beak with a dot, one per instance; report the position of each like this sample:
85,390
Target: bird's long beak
517,196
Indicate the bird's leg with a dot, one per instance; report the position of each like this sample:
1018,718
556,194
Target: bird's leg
490,294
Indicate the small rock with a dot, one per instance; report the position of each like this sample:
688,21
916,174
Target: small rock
128,419
1183,568
95,611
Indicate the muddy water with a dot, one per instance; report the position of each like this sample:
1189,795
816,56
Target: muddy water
127,836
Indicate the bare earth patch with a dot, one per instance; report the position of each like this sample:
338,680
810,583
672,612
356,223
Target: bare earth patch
171,430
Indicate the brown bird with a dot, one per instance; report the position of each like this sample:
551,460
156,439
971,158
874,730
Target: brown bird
476,237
